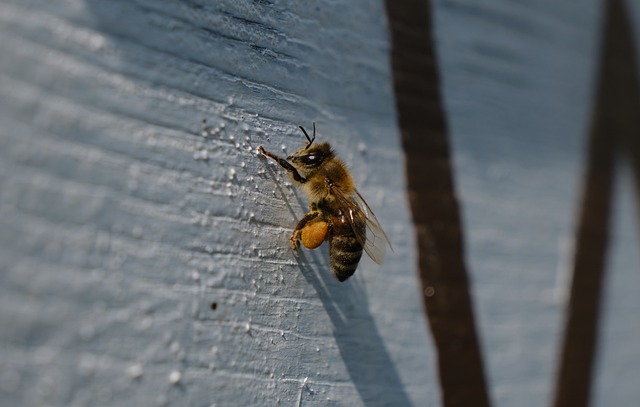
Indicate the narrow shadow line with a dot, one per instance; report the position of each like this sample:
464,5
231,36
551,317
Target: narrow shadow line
361,347
615,129
434,205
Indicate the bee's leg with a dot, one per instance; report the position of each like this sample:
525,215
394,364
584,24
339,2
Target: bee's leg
297,231
284,164
295,239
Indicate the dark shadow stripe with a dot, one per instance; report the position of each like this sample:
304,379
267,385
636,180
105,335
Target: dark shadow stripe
433,204
615,126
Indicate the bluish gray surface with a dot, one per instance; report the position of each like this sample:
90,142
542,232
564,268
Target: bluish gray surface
518,84
123,217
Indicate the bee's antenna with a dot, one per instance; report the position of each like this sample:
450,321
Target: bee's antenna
309,139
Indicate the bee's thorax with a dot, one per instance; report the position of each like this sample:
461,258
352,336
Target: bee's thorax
332,174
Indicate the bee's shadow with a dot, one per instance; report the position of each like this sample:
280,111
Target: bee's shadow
362,348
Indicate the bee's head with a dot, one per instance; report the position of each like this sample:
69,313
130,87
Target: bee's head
311,157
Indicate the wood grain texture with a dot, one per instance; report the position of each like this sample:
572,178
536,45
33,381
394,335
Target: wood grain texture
123,217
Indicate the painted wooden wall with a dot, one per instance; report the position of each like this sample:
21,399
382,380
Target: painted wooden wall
132,203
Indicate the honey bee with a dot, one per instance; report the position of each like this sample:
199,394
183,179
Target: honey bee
338,213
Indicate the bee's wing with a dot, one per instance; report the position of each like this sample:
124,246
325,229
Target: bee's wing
372,237
376,239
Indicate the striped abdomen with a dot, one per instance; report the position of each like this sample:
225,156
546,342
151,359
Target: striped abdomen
344,249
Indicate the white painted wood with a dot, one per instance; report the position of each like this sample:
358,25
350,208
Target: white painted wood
122,217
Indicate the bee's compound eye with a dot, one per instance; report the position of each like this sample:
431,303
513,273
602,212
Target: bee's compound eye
312,158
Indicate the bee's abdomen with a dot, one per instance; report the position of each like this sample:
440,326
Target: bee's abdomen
344,254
